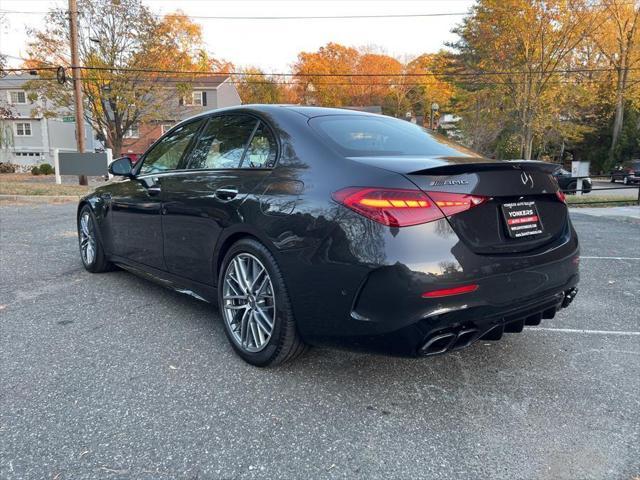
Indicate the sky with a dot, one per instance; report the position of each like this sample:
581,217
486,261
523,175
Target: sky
273,45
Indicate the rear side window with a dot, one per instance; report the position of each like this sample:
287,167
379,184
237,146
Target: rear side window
262,150
167,153
223,142
370,136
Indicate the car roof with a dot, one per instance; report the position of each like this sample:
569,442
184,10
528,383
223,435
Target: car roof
311,112
307,111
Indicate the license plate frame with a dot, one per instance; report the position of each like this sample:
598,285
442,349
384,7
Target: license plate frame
522,219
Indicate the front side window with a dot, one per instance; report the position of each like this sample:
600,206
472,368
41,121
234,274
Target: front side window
23,129
223,142
167,153
262,149
17,97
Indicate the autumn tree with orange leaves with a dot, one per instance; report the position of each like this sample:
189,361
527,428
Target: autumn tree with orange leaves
336,75
124,50
618,40
255,86
527,43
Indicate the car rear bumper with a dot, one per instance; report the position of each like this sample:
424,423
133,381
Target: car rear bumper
376,302
454,322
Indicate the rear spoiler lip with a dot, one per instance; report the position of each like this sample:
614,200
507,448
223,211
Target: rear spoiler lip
474,167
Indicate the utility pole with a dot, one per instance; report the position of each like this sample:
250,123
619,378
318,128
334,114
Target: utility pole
77,85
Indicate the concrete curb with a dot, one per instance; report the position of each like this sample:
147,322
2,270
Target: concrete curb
39,199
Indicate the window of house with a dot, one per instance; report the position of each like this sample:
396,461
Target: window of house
132,132
17,97
23,129
197,98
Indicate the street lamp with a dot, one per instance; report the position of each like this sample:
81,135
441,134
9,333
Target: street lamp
434,108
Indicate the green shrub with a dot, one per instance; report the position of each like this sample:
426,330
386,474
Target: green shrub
46,169
35,170
7,168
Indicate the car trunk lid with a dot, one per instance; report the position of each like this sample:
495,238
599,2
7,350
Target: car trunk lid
522,212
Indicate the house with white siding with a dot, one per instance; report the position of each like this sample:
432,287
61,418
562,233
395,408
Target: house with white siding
30,138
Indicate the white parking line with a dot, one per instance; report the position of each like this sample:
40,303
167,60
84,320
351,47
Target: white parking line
611,258
588,332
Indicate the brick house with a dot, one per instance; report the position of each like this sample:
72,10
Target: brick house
207,93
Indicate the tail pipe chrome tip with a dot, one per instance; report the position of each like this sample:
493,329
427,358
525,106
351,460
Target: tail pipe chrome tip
569,295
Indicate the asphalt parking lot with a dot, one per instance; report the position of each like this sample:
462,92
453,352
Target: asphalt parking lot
110,376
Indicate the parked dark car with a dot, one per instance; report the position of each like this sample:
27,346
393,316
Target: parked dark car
628,172
569,184
318,226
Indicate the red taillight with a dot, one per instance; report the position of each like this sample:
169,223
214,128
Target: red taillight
447,292
393,207
561,196
402,208
452,203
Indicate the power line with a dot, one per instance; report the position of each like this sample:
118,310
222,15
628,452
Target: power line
199,73
207,82
361,74
297,17
24,69
277,17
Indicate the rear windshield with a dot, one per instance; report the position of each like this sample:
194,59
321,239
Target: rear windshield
379,136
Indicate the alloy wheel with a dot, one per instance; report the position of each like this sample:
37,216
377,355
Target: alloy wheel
87,239
249,304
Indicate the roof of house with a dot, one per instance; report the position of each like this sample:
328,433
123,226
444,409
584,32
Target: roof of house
196,81
15,80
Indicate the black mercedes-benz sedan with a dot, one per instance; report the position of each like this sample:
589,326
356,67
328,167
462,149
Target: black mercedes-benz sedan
319,226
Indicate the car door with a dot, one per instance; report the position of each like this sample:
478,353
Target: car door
233,155
136,208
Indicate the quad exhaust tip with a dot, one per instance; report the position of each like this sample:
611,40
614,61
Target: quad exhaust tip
461,337
449,340
569,295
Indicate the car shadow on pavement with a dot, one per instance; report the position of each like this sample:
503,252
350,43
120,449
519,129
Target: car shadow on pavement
352,367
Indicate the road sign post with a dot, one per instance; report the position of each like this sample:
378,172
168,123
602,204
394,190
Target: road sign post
578,171
56,165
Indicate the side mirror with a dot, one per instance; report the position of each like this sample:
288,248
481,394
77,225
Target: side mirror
121,166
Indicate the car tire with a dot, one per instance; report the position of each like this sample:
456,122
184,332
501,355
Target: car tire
91,250
571,188
255,306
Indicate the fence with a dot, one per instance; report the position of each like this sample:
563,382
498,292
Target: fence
630,186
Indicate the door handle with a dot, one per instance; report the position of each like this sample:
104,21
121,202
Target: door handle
154,190
226,193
